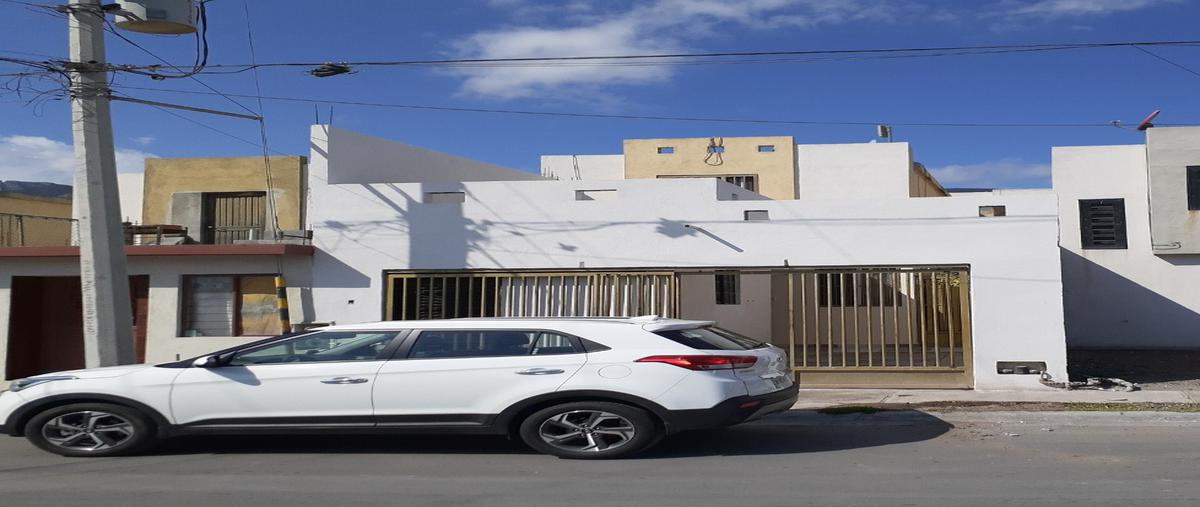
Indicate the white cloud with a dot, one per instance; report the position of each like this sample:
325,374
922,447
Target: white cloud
144,140
35,158
1025,14
659,26
1059,8
1006,172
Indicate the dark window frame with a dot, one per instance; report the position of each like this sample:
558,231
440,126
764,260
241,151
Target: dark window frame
384,354
1193,187
407,350
728,292
1100,232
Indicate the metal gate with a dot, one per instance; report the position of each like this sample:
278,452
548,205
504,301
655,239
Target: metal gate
232,216
448,295
896,327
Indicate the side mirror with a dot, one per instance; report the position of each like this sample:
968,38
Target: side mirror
207,362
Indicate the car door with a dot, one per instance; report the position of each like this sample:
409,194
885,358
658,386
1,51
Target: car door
457,377
319,379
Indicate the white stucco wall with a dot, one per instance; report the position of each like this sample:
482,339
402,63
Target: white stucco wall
368,159
751,316
1013,259
1175,228
591,167
853,171
1121,298
130,187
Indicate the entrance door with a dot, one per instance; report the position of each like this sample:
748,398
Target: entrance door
230,216
45,332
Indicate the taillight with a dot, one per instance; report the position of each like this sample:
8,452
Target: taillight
703,362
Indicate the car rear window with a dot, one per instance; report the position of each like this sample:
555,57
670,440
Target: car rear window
710,338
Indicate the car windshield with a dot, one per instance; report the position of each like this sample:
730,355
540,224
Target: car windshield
710,338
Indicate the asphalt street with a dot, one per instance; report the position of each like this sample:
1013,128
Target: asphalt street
798,458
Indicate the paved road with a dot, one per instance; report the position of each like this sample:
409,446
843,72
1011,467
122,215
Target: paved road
799,458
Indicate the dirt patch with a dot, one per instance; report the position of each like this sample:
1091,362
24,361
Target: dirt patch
1152,370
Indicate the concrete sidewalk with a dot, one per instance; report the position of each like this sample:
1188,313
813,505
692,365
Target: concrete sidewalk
821,398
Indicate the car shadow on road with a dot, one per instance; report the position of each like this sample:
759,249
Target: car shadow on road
793,432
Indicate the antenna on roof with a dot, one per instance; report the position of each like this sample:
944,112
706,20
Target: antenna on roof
885,131
1147,123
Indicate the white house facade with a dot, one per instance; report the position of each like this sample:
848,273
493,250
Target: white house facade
1130,236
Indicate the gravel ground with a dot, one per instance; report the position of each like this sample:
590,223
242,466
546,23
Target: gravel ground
1152,370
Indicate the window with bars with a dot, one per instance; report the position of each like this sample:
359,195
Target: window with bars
728,288
861,289
1102,224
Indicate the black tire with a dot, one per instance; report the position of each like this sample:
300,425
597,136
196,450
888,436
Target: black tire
600,438
122,430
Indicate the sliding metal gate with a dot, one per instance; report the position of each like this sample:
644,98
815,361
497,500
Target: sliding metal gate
421,296
896,327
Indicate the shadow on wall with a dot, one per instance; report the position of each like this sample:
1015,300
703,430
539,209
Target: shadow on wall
1105,309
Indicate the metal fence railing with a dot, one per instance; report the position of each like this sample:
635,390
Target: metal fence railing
34,230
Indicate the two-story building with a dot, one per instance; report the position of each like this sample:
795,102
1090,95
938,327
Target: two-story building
198,280
850,256
1130,236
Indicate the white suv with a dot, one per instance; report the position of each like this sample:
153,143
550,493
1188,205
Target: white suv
574,388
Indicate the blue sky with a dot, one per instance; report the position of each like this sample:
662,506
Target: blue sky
1090,86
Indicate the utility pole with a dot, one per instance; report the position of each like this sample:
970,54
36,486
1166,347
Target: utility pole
107,313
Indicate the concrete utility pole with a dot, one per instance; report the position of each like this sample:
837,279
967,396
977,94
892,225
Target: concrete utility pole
107,313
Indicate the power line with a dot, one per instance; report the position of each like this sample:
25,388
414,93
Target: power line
650,58
212,128
191,75
262,132
640,117
1168,60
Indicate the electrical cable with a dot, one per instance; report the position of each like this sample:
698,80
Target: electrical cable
641,117
183,74
1168,60
648,58
262,130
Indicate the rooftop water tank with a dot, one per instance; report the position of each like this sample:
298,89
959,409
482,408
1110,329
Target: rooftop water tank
168,17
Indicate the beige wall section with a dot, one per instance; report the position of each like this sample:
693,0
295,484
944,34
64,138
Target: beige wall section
698,300
35,230
167,176
922,184
775,171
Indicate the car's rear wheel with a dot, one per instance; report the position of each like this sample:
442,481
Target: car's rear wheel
590,430
91,430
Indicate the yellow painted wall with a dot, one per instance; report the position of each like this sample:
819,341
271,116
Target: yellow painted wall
37,231
166,176
775,171
923,184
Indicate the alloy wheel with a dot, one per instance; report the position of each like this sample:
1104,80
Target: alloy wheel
88,431
587,431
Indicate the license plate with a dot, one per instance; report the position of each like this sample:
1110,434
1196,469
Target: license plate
778,380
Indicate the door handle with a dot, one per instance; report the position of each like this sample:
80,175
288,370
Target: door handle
344,380
539,371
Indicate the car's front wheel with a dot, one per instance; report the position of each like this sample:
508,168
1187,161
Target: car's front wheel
91,430
590,430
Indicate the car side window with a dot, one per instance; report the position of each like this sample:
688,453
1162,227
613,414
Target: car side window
318,347
443,343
